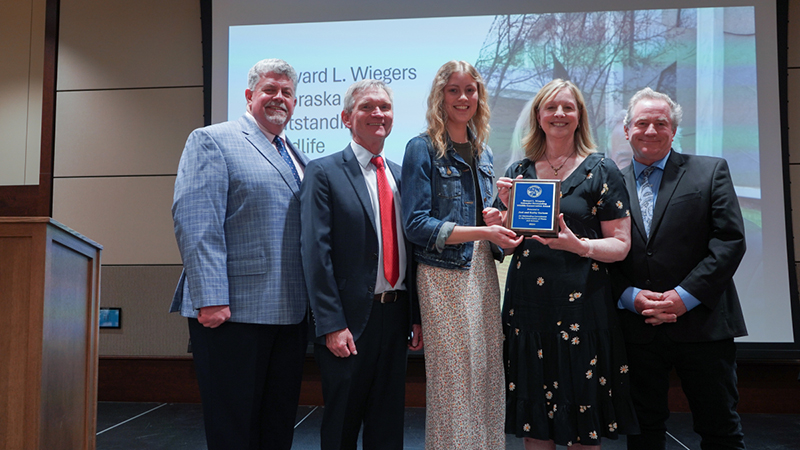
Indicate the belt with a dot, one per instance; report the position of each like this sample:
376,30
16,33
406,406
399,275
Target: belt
390,296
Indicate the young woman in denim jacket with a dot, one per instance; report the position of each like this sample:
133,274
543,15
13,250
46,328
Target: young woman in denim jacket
447,188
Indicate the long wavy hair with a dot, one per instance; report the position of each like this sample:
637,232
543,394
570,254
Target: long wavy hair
535,143
437,116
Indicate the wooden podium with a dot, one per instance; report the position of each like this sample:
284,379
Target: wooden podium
49,299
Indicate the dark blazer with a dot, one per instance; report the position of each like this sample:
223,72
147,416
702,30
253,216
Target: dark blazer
339,245
696,241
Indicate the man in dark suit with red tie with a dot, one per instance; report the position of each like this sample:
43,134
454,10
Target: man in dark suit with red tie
358,272
679,307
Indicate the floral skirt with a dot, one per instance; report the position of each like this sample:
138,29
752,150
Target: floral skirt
463,354
566,369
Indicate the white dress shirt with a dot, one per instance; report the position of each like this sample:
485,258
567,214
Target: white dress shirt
370,172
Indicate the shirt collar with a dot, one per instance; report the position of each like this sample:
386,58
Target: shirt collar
639,167
269,135
363,155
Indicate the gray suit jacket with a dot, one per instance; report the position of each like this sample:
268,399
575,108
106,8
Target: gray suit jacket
237,221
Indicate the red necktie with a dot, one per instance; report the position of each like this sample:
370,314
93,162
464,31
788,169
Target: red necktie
391,264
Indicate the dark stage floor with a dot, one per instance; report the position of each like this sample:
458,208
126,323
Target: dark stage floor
179,426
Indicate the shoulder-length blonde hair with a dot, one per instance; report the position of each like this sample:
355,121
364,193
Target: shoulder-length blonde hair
535,142
437,116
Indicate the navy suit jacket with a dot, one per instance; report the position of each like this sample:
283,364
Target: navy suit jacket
237,221
340,245
696,241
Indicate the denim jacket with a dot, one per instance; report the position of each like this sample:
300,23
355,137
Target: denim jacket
437,195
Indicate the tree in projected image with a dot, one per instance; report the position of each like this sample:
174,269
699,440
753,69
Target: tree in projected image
608,55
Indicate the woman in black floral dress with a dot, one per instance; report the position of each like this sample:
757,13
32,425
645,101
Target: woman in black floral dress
566,373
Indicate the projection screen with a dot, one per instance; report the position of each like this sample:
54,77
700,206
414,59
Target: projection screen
718,59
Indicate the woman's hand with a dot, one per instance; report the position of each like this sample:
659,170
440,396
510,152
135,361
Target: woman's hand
502,236
566,240
612,247
504,188
493,216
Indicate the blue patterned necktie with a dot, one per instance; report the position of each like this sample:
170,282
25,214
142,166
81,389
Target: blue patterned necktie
646,198
285,155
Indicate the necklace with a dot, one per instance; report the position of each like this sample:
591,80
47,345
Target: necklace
556,169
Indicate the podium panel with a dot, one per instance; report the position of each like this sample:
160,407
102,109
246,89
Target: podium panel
49,292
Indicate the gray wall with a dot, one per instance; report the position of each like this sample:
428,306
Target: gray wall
22,30
129,92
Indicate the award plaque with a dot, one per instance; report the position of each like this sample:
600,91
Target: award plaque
533,207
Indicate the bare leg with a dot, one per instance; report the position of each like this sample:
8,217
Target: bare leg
536,444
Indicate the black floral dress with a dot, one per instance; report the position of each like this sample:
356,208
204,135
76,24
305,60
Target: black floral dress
566,370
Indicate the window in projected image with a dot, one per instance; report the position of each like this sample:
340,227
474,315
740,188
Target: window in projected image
704,58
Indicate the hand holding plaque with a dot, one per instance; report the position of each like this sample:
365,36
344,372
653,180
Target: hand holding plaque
533,207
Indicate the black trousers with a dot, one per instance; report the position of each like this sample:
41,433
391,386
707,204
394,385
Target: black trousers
249,377
707,371
369,387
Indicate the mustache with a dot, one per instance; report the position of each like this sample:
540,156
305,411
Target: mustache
278,104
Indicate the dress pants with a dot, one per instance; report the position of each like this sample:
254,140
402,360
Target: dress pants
369,387
707,371
249,377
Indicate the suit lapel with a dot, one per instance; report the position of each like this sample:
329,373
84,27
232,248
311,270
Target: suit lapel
352,169
395,170
673,171
629,176
257,138
300,155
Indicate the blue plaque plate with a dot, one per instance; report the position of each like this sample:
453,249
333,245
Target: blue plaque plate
533,207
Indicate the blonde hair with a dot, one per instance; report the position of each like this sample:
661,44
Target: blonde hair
437,116
535,142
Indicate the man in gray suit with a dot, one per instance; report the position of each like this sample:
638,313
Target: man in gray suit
237,221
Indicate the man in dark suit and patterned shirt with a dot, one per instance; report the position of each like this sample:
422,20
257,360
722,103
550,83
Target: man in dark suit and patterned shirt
678,304
358,271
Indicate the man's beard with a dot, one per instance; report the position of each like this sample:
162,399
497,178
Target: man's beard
276,117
